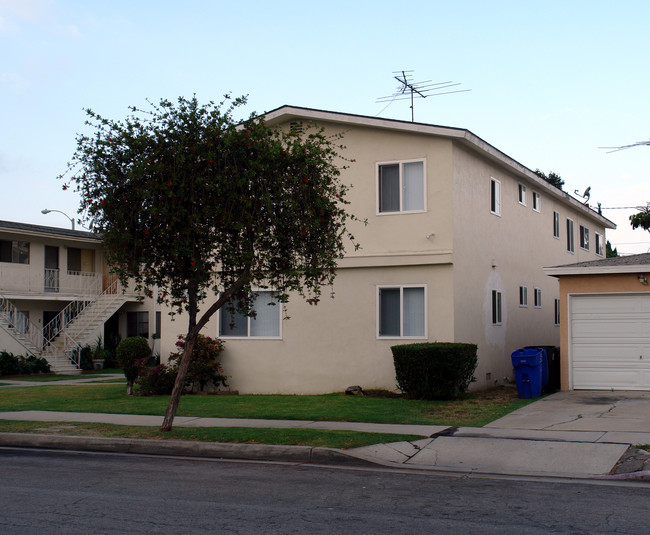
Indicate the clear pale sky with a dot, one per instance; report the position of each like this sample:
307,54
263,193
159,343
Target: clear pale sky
550,82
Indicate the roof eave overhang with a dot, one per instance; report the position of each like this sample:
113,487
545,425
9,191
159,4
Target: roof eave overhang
459,135
602,270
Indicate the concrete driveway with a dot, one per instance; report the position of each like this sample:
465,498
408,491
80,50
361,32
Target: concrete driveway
620,416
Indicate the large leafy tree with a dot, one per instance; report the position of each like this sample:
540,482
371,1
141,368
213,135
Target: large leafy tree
191,203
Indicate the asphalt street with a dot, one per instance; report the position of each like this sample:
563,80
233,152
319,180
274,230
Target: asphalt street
45,492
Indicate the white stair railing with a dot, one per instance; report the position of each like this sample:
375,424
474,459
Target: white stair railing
18,325
57,327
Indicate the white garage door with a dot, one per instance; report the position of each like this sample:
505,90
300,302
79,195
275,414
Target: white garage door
609,341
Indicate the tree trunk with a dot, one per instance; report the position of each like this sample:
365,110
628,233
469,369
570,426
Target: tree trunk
179,384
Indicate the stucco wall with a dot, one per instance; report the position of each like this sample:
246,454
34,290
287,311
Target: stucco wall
590,284
504,252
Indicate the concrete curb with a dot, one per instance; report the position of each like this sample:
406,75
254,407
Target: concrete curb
185,448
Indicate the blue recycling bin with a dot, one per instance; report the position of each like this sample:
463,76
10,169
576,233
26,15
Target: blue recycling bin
527,363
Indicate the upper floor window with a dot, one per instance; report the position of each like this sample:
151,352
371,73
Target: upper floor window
401,312
263,323
536,201
584,237
556,224
522,194
81,260
14,252
600,245
495,196
523,296
538,297
570,244
400,187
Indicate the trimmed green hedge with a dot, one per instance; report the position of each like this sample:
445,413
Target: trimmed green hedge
434,370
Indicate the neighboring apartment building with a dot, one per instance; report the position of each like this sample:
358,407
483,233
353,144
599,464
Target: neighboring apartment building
457,238
56,295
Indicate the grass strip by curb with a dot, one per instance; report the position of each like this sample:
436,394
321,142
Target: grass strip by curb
240,435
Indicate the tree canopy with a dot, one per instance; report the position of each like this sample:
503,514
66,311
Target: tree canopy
641,219
552,178
192,202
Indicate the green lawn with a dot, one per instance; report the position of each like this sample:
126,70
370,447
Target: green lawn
242,435
473,410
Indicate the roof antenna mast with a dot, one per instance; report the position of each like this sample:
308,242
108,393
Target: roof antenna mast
408,89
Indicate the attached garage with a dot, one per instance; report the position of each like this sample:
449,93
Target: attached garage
609,341
605,323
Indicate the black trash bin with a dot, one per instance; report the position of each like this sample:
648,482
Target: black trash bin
553,362
527,363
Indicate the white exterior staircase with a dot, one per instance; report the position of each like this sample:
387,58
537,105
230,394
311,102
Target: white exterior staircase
61,340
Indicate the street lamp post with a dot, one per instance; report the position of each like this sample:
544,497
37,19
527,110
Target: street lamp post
46,211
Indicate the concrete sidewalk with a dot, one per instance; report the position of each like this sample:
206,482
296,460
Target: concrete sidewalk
568,434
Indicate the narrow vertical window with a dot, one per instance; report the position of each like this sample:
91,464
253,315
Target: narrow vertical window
495,196
536,201
600,248
496,307
538,297
523,296
556,225
570,245
557,312
522,194
584,237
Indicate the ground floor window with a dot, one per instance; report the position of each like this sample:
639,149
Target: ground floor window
264,323
496,308
137,324
401,312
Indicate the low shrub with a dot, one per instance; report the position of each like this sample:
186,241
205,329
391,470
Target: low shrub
86,358
130,352
434,370
11,364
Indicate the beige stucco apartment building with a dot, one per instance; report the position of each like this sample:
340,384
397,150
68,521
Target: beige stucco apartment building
457,237
56,295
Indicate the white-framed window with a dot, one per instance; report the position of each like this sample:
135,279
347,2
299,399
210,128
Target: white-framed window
536,201
557,312
600,244
584,237
570,244
14,252
538,298
495,196
265,322
556,225
497,315
523,296
401,187
522,194
401,311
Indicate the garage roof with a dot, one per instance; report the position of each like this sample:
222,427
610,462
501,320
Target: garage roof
620,264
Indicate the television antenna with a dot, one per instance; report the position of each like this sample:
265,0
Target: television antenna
408,89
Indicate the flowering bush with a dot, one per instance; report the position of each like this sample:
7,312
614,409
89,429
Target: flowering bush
157,381
204,366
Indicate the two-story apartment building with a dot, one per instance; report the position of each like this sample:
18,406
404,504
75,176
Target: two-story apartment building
56,295
457,238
